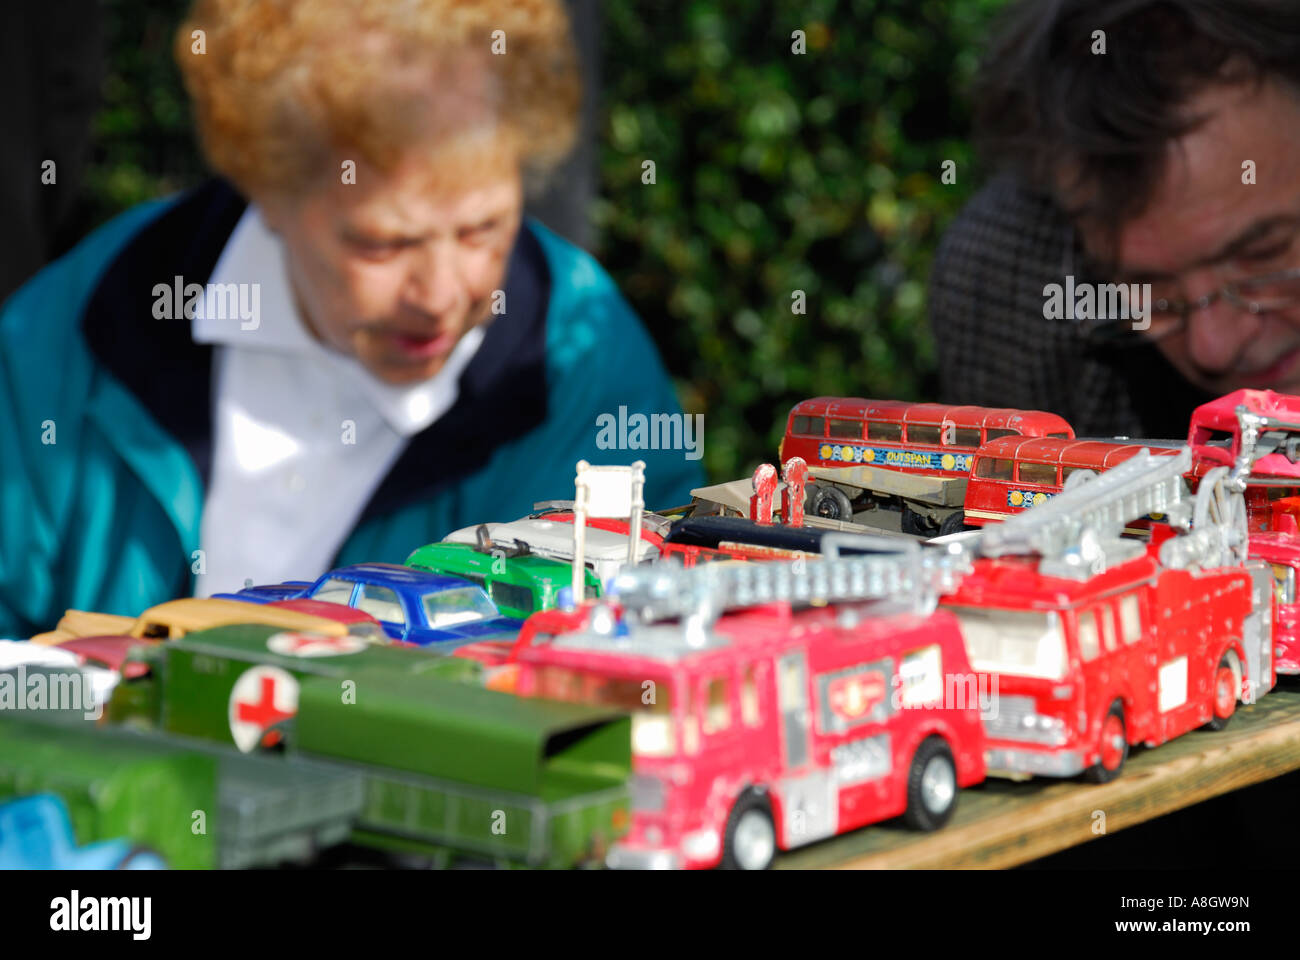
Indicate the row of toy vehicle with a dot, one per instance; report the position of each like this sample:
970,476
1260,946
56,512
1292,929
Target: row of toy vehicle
876,768
947,468
941,466
288,742
780,703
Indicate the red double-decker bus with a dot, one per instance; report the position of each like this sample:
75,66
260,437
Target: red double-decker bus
1011,474
909,458
1015,473
916,437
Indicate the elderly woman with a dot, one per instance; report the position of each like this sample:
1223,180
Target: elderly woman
349,345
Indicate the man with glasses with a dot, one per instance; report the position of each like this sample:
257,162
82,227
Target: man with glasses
1140,142
1135,141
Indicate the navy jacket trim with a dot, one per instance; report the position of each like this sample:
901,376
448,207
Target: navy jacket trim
156,359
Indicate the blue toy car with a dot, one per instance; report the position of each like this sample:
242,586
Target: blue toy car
36,834
414,606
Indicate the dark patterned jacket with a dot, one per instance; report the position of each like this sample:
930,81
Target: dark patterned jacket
996,349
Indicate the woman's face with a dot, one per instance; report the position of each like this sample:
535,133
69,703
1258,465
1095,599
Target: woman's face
395,268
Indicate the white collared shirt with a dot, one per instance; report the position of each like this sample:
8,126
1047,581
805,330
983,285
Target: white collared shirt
302,435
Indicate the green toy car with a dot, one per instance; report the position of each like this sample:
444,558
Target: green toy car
519,583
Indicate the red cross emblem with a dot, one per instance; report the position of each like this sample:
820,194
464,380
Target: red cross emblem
261,697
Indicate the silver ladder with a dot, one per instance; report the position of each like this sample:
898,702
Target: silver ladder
1097,507
1078,533
911,576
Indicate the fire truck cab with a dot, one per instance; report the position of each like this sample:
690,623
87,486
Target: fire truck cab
1097,642
1138,654
773,726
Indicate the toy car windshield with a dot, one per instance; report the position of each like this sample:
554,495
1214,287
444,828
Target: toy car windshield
447,608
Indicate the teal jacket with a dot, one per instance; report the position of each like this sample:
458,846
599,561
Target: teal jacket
106,416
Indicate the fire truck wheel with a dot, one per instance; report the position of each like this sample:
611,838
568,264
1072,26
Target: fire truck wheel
829,502
1114,747
1226,686
931,786
750,839
953,523
917,524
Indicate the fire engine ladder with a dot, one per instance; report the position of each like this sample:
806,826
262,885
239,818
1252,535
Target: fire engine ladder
895,570
1078,532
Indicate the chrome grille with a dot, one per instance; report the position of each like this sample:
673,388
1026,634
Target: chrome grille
648,793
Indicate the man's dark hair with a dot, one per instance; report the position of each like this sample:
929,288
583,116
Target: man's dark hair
1059,115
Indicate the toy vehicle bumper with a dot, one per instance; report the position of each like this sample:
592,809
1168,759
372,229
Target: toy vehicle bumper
1042,763
625,857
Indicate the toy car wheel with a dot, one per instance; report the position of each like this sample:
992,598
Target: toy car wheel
916,524
931,786
829,502
1114,747
953,523
1226,686
750,839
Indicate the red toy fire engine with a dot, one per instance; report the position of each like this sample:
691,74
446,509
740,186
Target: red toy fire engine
1257,434
1096,642
766,719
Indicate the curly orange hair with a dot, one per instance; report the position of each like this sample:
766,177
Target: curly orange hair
281,85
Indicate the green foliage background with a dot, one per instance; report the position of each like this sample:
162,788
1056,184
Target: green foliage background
775,172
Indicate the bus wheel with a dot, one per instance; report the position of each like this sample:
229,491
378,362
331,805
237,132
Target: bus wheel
1114,747
831,503
931,786
1226,686
749,842
953,523
918,525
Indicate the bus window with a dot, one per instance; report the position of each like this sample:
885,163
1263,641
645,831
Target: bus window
1284,583
1130,621
923,433
690,725
809,426
1107,629
1088,644
1059,436
846,429
997,433
717,706
1066,471
1041,473
749,697
881,430
966,437
991,468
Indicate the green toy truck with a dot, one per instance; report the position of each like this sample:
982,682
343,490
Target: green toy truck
446,767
